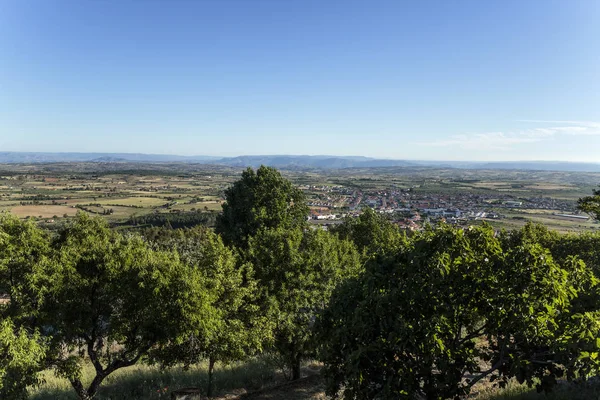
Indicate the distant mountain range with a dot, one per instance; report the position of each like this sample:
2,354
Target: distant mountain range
40,157
291,161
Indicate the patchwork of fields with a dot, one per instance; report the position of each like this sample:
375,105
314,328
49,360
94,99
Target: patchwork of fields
122,192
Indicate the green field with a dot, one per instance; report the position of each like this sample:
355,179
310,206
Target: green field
122,191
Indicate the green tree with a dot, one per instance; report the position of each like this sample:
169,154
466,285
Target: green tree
453,307
261,199
585,246
371,232
112,299
21,358
591,204
297,271
23,249
242,329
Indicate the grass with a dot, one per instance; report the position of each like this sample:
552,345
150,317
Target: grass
564,391
259,379
150,382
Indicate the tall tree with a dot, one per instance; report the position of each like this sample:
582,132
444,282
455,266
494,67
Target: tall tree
297,271
242,328
261,199
112,299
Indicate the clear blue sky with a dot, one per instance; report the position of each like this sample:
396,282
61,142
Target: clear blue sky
446,80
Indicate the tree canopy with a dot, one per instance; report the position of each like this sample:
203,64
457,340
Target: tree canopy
297,270
453,307
114,299
21,358
371,232
24,249
242,329
261,199
591,204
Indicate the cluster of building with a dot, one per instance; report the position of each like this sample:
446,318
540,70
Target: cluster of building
411,208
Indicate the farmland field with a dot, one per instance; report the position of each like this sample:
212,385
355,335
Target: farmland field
122,192
44,211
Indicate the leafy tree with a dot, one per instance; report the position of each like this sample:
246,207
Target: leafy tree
585,246
591,204
241,330
261,199
23,249
371,232
21,357
112,300
452,307
297,271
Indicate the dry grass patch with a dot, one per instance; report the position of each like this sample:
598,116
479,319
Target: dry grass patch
46,211
132,201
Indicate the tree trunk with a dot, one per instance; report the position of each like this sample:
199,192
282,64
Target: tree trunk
211,368
296,366
82,394
90,392
93,388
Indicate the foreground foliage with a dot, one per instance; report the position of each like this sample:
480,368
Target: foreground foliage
24,250
113,299
241,328
297,271
21,354
454,307
391,315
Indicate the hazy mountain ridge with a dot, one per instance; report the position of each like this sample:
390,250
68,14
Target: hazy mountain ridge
48,157
291,161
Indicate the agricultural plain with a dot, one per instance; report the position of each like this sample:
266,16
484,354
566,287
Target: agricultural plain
129,194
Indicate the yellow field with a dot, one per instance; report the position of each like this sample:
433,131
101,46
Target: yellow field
46,211
211,205
133,201
549,186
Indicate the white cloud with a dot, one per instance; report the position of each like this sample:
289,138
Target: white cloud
507,140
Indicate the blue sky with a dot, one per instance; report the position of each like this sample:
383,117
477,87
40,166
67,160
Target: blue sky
445,80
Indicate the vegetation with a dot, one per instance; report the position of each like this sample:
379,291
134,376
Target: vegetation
372,233
390,315
591,204
113,299
297,271
260,200
21,354
454,307
242,329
